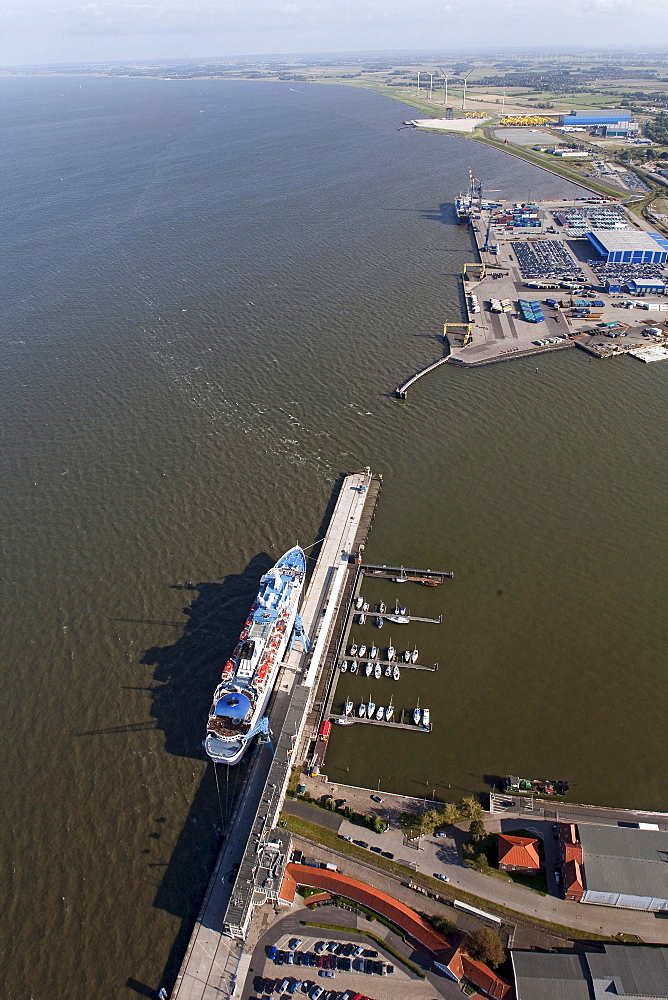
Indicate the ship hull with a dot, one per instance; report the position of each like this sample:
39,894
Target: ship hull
237,714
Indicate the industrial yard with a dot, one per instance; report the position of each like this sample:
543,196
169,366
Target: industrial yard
556,275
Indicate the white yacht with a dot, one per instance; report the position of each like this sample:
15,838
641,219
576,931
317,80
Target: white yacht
371,708
344,666
396,673
389,712
353,667
414,655
417,714
373,652
425,718
391,651
369,669
361,652
378,671
380,712
361,711
353,649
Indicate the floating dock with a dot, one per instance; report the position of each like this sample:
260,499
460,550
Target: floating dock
361,669
381,722
412,575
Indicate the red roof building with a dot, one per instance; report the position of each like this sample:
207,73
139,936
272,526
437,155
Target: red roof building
518,854
342,885
461,967
571,862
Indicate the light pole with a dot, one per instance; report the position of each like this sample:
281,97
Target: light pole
445,92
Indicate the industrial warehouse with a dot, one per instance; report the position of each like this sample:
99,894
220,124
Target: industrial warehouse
615,866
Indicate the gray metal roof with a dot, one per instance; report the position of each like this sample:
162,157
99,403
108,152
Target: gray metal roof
635,971
624,860
547,976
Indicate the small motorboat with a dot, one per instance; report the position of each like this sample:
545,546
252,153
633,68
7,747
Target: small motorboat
396,673
344,666
430,582
361,711
345,722
407,656
402,610
365,606
361,618
399,619
388,670
361,651
417,714
353,667
353,649
378,671
379,622
389,712
370,709
382,608
380,712
349,707
414,655
391,651
358,603
373,652
369,669
425,718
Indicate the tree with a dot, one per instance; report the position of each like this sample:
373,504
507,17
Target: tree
442,924
477,830
486,946
449,814
470,808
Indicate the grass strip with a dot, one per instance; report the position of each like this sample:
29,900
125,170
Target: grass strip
539,161
388,947
319,836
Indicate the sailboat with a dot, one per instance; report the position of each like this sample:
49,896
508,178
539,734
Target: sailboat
389,712
382,608
373,652
388,670
361,618
358,603
344,666
361,651
353,649
361,711
380,712
391,651
353,667
349,707
417,714
377,671
396,673
425,718
414,655
379,622
369,668
407,656
371,708
402,578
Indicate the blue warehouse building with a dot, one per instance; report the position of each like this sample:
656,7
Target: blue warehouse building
586,119
629,246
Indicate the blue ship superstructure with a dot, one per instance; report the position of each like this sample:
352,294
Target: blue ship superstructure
239,701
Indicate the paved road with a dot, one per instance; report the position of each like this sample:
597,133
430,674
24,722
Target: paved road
442,855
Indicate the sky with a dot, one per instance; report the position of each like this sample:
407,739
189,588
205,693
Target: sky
52,31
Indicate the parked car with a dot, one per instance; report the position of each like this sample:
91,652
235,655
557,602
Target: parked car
272,952
327,973
387,854
284,985
378,850
294,943
376,798
441,876
293,987
361,843
369,953
316,992
320,947
289,959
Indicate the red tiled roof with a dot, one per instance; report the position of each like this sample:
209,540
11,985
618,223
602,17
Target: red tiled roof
573,852
486,980
520,852
396,911
288,889
573,882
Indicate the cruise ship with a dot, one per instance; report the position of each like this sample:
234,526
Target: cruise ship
248,678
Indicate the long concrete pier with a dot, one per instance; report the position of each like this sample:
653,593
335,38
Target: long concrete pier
213,965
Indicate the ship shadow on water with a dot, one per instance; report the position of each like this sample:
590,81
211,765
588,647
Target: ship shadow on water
185,674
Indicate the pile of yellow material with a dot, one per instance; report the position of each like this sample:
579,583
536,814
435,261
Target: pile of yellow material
525,120
474,114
